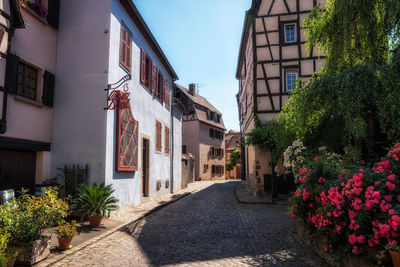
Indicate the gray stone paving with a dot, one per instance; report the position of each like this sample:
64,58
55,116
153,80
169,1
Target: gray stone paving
208,228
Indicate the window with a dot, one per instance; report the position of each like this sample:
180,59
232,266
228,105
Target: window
184,149
211,132
158,136
216,152
218,118
27,81
166,140
205,168
160,86
127,131
125,53
167,93
291,77
217,169
145,70
290,33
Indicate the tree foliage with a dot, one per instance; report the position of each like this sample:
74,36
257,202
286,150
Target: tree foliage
234,160
356,107
348,32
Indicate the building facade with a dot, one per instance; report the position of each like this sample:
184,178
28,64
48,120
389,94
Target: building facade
272,56
28,37
203,133
232,143
113,101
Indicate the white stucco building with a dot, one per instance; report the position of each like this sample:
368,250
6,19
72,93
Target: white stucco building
100,43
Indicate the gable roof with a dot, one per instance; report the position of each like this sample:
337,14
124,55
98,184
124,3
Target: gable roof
232,140
144,29
201,101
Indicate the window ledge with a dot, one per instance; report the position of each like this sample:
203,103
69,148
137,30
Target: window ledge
33,13
30,101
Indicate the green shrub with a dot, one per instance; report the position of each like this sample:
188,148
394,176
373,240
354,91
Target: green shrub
28,216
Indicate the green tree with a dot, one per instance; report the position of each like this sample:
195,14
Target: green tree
350,31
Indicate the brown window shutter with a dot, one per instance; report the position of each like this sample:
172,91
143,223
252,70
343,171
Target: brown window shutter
122,46
128,51
153,77
158,136
143,67
163,89
168,96
167,140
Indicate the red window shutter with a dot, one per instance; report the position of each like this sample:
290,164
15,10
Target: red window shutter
158,136
143,67
153,78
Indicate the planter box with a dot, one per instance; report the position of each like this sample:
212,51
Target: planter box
31,253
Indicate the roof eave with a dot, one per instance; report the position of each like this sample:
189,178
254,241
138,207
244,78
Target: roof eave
138,19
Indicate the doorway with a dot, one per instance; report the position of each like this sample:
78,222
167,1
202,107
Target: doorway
145,166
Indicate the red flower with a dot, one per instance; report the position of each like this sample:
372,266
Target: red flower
292,215
390,186
391,177
352,239
321,180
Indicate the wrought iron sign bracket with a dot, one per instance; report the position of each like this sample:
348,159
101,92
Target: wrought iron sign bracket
113,96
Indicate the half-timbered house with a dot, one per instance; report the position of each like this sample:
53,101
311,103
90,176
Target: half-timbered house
203,133
28,51
113,100
272,56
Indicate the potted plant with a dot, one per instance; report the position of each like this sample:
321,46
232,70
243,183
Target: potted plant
66,232
394,253
27,218
95,201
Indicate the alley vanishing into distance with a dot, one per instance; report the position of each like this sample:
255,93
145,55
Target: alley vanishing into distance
207,228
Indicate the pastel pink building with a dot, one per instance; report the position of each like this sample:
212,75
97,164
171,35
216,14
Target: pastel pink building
27,67
203,134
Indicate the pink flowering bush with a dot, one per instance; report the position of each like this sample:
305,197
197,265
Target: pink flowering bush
355,207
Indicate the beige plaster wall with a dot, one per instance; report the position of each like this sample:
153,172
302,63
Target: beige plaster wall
190,138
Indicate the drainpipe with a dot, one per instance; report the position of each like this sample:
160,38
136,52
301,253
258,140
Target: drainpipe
171,138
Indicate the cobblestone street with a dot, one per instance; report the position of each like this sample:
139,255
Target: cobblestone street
208,228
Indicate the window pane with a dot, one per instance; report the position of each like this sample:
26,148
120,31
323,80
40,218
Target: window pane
290,33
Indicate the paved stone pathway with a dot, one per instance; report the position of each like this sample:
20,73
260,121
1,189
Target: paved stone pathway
208,228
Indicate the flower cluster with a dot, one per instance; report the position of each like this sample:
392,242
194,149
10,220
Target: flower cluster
354,207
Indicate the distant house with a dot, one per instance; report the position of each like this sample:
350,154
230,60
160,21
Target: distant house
232,143
272,56
28,44
113,100
203,133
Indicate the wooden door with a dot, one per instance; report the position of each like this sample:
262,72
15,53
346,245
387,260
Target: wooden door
145,167
17,170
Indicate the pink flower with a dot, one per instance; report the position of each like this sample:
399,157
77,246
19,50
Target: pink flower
302,179
390,186
387,198
316,159
302,171
352,239
361,239
346,152
292,215
392,242
298,193
391,177
377,183
321,180
392,211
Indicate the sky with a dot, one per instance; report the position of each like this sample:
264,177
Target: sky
201,39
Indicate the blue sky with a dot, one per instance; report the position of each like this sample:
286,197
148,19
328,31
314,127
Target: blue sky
201,40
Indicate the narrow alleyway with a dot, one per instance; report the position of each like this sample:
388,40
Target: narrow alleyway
207,228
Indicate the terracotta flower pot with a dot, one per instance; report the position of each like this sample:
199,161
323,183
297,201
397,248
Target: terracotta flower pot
95,220
395,258
64,243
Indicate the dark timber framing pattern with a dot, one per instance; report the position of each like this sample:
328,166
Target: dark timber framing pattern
277,107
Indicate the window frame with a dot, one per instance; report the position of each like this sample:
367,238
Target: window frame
285,26
126,65
287,72
23,90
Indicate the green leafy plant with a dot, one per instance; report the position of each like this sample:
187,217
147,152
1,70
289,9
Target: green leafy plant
234,160
5,256
66,229
28,216
95,199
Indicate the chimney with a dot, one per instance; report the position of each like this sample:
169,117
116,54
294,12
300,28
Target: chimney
192,89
